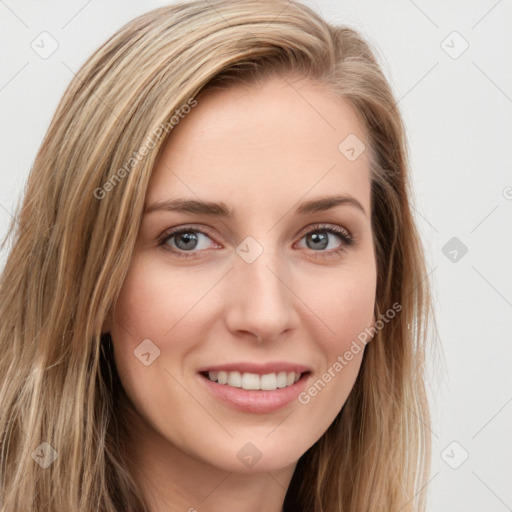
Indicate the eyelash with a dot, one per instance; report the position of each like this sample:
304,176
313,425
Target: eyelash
346,239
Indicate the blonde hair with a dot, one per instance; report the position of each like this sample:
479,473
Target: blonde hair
74,236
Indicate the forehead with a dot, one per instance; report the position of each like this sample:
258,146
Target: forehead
263,146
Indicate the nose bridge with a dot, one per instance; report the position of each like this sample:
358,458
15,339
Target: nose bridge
261,301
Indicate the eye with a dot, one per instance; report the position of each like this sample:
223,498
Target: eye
185,240
188,240
317,239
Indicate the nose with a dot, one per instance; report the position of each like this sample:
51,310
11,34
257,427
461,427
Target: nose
261,299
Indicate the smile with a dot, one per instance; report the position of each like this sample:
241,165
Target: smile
253,381
256,388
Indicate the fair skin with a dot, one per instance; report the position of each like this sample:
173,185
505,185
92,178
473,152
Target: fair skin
262,151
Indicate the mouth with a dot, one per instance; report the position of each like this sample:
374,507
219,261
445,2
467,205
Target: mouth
254,381
255,388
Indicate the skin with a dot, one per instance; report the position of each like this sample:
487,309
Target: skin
261,150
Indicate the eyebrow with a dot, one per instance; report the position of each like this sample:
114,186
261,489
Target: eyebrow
320,204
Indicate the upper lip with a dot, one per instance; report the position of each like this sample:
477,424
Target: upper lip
258,368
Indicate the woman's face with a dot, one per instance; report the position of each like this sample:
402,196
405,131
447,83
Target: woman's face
277,290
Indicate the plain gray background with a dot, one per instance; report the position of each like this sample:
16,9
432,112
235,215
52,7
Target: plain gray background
457,106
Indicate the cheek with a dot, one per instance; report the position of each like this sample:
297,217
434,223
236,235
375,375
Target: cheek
152,303
155,298
344,308
352,306
172,307
344,305
140,303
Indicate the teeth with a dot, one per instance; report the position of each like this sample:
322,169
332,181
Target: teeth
267,382
251,381
283,380
235,379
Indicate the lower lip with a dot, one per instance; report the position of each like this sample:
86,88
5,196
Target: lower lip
257,401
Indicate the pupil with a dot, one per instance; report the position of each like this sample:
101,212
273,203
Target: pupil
319,238
187,237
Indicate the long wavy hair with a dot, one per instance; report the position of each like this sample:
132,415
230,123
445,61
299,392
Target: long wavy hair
73,238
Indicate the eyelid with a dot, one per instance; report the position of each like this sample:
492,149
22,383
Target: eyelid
318,226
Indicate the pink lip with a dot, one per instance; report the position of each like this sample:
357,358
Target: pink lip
255,401
260,369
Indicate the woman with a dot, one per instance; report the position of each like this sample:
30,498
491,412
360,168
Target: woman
215,297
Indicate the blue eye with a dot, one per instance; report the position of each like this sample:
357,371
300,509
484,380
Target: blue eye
185,240
319,237
188,241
